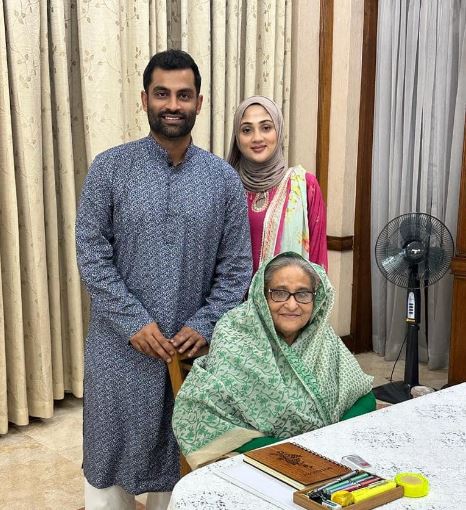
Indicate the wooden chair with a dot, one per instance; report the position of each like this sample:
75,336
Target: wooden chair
178,369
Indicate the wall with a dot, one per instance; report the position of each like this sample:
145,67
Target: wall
304,84
344,123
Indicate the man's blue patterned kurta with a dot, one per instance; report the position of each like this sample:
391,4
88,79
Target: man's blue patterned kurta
154,243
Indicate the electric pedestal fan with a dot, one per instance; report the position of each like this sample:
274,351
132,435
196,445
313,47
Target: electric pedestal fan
412,250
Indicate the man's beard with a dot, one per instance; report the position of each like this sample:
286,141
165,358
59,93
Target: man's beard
157,125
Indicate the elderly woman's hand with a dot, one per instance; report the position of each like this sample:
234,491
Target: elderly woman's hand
188,338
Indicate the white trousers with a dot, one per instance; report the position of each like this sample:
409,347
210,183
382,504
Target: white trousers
116,498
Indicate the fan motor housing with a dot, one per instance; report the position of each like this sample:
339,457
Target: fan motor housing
415,251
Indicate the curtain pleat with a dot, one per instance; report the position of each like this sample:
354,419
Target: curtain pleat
283,68
219,84
69,339
233,72
196,29
3,378
11,324
30,121
158,26
251,65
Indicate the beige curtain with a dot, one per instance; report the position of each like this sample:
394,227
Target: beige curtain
71,73
41,314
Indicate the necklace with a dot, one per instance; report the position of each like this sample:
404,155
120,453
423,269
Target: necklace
260,201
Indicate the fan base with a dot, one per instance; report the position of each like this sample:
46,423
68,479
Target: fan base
393,392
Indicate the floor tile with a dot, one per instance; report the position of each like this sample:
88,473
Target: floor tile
74,454
375,365
33,477
58,433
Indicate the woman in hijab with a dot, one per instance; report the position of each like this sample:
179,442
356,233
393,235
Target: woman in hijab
275,368
285,205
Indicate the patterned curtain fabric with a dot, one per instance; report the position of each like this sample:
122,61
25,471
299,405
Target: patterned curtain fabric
71,76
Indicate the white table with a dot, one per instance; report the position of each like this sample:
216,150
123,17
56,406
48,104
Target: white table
426,435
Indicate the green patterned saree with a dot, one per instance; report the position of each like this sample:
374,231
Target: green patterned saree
253,384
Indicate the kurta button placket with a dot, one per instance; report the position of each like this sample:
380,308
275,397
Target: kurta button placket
171,221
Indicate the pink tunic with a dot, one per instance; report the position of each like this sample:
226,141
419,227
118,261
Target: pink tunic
316,220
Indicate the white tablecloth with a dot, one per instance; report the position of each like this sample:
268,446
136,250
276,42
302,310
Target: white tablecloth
425,435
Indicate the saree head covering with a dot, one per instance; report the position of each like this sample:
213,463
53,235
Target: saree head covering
253,384
258,176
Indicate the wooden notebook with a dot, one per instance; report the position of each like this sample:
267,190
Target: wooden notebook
294,464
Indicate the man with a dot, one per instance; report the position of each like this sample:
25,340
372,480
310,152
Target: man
164,249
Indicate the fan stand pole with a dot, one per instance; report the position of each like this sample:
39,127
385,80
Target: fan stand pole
413,319
399,391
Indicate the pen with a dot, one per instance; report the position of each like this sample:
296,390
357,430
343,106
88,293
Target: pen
350,481
351,486
382,481
315,492
337,480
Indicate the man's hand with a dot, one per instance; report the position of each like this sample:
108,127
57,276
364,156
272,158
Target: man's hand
150,341
188,338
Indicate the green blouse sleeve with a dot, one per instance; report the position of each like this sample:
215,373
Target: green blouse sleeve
364,405
257,442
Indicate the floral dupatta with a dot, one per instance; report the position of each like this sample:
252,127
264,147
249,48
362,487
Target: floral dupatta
295,236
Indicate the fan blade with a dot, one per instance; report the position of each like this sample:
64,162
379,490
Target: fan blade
435,259
413,228
396,263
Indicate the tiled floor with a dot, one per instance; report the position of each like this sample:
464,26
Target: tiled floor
40,464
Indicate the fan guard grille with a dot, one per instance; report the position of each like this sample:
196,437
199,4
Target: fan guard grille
409,236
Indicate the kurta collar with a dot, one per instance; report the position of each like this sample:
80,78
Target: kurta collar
162,152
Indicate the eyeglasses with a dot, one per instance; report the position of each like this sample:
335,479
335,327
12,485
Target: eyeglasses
302,296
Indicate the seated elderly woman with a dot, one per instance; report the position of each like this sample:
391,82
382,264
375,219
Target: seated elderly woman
275,368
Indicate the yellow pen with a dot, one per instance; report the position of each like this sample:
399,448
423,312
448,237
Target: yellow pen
369,492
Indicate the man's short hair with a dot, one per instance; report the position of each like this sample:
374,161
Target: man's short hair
170,60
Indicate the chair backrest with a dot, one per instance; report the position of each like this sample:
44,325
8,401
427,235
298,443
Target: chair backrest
178,369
